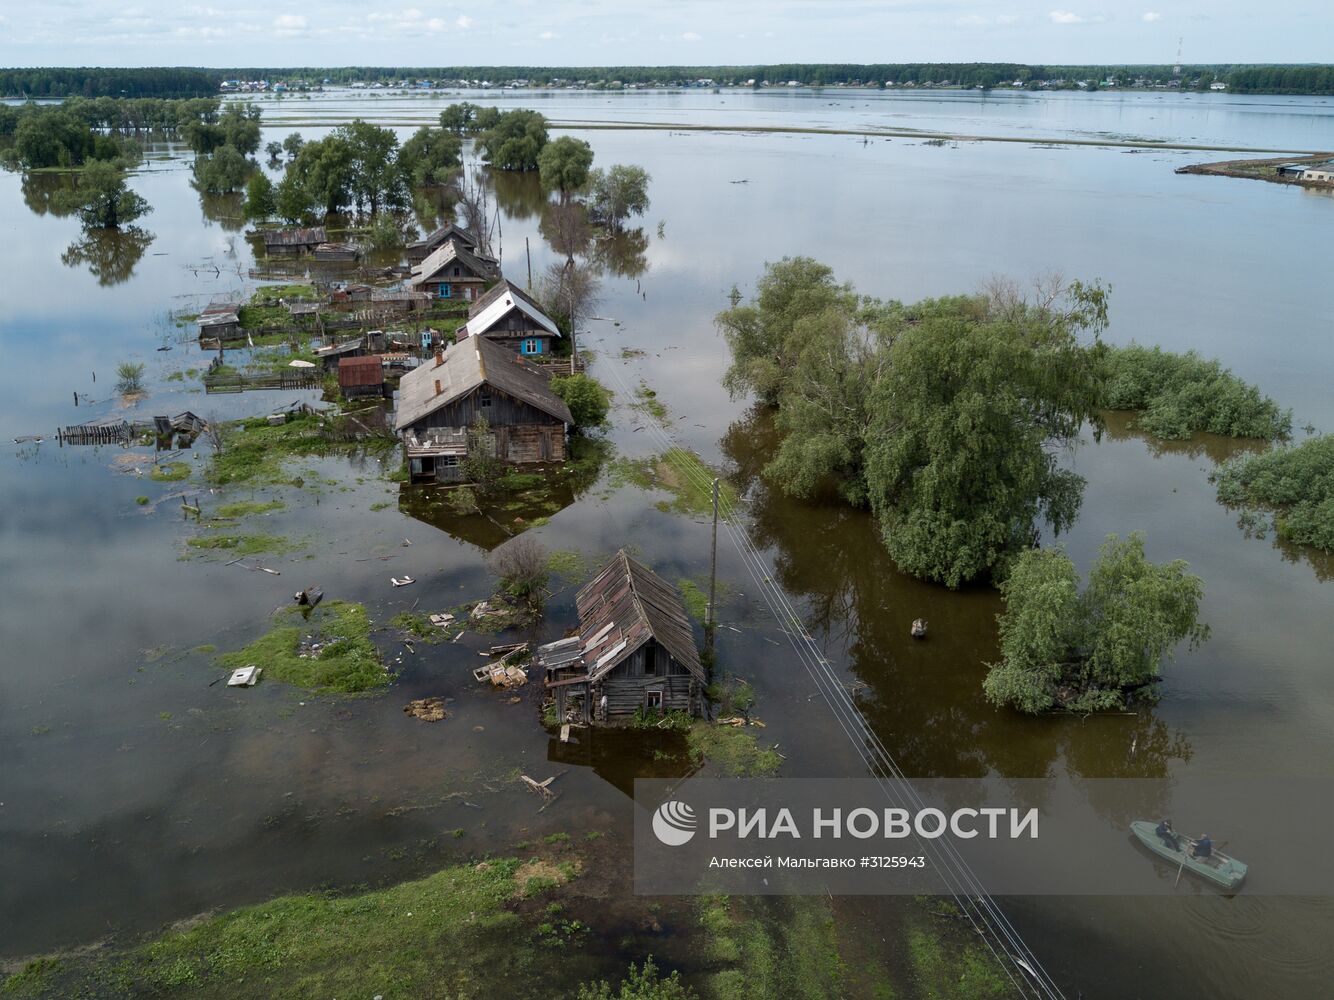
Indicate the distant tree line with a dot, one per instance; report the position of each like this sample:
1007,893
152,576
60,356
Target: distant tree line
1282,80
154,81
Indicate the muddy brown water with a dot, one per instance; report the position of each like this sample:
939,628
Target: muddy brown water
133,793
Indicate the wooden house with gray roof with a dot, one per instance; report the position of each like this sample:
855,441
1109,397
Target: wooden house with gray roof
419,250
441,399
509,316
455,272
634,653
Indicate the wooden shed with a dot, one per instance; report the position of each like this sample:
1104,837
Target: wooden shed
292,242
441,399
360,377
508,315
635,651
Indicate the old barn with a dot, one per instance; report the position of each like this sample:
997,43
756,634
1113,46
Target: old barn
443,397
509,316
292,242
635,651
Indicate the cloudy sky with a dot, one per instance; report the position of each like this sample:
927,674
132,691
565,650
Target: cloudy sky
657,32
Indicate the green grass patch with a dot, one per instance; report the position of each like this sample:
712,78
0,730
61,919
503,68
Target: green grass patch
679,472
567,564
1295,484
418,624
647,402
731,750
33,979
346,659
256,453
142,501
170,472
946,966
246,545
247,508
1179,394
770,946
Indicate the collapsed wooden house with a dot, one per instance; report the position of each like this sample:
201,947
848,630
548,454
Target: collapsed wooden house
635,652
292,242
441,400
509,316
341,252
221,321
455,272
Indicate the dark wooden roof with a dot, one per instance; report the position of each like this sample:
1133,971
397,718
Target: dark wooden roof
623,607
431,241
294,237
446,254
464,367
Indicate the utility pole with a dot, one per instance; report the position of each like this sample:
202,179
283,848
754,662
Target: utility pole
529,254
710,611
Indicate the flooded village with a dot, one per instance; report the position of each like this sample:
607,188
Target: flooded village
349,620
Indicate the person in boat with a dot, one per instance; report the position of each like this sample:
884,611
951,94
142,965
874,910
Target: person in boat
1204,847
1167,834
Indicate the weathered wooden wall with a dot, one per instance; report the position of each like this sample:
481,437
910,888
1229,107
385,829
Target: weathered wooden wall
626,687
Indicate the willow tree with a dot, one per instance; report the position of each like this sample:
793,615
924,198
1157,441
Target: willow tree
968,421
1088,651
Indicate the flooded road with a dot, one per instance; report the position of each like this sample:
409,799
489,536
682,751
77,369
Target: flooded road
134,793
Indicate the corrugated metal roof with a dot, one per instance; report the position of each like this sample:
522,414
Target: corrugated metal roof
466,366
360,371
497,303
624,606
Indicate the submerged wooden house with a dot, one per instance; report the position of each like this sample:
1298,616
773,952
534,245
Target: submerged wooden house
220,321
635,651
292,242
509,316
454,272
442,398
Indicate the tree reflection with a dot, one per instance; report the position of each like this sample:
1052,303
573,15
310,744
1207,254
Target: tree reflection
518,193
110,254
622,254
565,226
50,193
922,698
227,210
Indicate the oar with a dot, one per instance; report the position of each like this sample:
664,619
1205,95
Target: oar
1179,870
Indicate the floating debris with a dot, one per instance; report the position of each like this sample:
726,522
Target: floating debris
404,582
426,709
244,677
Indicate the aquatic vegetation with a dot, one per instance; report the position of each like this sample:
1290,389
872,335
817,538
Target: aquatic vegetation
246,545
331,651
255,452
731,750
247,508
170,472
1178,394
1295,484
679,472
772,947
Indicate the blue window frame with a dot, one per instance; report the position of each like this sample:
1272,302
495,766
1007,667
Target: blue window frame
444,290
533,345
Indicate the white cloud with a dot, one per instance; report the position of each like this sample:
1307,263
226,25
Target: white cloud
437,24
690,36
971,21
465,22
1065,17
1152,16
547,36
289,22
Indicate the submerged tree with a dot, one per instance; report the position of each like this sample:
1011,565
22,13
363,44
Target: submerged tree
618,193
564,164
104,199
515,140
430,158
260,204
1088,651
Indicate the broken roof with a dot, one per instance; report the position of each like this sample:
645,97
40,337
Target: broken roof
497,303
466,366
623,607
450,251
293,237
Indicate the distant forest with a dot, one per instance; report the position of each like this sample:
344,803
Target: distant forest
187,82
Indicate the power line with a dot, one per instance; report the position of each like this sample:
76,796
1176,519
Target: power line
1023,969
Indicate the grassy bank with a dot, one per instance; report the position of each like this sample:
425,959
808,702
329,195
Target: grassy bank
330,651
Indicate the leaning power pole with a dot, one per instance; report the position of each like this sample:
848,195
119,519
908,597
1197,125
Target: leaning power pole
710,611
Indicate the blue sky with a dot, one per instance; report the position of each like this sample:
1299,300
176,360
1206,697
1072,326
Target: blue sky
656,32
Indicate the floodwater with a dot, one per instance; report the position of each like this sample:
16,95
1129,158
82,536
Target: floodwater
135,792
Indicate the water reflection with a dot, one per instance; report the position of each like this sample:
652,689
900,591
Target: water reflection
1120,426
226,210
518,193
619,756
50,194
110,254
622,254
923,698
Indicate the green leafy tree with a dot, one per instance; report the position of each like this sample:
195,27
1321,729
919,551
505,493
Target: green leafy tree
618,193
564,164
225,170
979,396
375,177
104,199
260,202
1087,651
293,201
386,232
239,124
431,157
482,467
274,149
292,144
515,140
129,378
466,118
323,173
588,399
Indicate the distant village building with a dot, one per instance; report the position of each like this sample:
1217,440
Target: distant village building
343,252
453,271
292,242
359,377
429,244
1323,172
441,399
635,651
508,316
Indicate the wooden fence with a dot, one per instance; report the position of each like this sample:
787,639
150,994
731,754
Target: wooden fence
297,378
